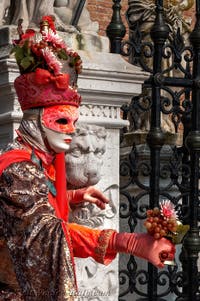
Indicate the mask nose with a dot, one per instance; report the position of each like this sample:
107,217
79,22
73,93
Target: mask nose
70,128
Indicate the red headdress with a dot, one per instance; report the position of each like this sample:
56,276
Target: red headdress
49,71
48,68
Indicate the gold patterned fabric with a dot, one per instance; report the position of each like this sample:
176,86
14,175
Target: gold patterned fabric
38,257
34,235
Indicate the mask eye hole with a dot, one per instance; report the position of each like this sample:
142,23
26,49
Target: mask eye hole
62,121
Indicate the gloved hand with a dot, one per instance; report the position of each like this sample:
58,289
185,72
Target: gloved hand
88,194
144,246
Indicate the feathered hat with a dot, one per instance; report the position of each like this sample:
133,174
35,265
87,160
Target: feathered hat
49,69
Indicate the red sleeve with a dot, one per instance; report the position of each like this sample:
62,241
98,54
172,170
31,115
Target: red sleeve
87,242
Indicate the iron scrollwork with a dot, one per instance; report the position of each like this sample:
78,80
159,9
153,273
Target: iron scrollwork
160,168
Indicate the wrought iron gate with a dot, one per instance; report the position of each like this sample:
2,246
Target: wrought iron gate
172,170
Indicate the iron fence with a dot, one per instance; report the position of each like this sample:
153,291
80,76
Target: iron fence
166,164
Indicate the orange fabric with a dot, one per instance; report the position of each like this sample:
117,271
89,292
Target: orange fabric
87,242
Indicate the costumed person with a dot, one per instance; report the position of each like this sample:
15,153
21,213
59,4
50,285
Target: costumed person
38,243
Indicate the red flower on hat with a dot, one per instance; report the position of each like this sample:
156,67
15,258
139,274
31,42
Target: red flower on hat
30,33
44,50
48,68
50,21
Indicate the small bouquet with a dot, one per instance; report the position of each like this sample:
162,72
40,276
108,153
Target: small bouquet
44,49
164,222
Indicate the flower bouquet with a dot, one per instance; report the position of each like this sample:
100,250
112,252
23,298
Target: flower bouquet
44,50
164,222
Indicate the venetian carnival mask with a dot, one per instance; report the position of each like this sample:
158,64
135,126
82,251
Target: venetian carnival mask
58,125
49,70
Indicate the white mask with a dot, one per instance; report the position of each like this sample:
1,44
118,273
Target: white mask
58,124
58,142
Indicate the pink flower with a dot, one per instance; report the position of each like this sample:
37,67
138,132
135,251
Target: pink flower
167,209
52,61
53,38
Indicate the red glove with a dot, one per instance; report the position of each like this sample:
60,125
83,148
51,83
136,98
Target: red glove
144,246
88,194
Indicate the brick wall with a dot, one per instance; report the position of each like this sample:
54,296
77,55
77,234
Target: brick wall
101,11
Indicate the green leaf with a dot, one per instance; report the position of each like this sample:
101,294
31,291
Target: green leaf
13,50
37,64
26,48
62,54
19,53
26,62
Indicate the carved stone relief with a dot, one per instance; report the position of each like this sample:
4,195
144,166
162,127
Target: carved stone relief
31,11
84,162
85,157
100,111
90,215
4,12
99,281
141,16
143,12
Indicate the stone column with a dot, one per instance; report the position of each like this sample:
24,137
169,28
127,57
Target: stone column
107,82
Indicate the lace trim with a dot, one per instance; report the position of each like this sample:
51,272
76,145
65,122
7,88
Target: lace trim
103,241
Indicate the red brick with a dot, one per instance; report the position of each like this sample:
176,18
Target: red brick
101,11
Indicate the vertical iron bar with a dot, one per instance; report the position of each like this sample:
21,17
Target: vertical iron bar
116,29
155,137
186,120
192,241
77,12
